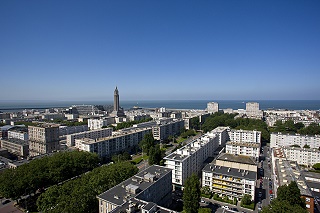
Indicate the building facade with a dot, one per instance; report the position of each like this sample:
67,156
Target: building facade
147,188
252,110
212,107
302,156
189,159
93,134
118,142
246,136
230,175
16,146
165,129
19,133
279,139
43,138
98,123
243,148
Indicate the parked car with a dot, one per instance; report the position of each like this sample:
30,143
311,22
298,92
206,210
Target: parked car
225,207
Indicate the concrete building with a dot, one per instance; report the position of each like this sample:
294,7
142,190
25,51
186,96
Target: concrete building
117,110
222,133
19,133
302,156
66,130
120,141
98,123
189,159
246,136
252,110
16,146
243,148
93,134
287,171
231,175
212,107
164,129
279,139
43,138
146,192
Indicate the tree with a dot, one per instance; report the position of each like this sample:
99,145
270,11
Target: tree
204,210
306,146
278,206
155,155
246,199
316,166
147,143
191,194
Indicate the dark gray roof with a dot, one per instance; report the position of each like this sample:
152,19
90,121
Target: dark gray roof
311,174
237,158
313,184
131,187
238,173
149,206
16,141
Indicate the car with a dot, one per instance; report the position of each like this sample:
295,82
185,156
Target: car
225,207
202,201
5,202
259,208
260,194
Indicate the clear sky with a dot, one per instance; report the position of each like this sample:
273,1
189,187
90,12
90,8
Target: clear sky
159,49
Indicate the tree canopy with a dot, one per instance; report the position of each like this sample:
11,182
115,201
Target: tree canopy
147,142
191,194
79,195
44,172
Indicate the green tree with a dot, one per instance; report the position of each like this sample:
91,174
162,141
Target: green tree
278,206
155,155
246,200
316,166
306,146
204,210
147,143
291,194
191,194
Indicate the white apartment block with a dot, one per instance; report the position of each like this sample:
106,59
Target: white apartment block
66,130
279,139
222,134
93,134
118,142
98,123
189,158
243,148
164,129
252,110
212,107
246,136
302,156
230,175
18,133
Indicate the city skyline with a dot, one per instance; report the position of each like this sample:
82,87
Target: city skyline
160,50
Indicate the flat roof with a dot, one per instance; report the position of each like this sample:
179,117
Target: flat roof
44,125
122,193
16,141
236,158
238,173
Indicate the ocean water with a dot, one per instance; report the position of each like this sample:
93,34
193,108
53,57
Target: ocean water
171,104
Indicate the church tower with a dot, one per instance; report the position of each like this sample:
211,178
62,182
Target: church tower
117,110
116,100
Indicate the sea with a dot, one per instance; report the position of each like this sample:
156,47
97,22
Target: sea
7,106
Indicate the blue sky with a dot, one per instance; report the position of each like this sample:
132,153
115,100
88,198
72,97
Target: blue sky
160,50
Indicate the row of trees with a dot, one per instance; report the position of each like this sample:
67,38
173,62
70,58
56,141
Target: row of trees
79,195
221,119
152,149
291,127
288,200
44,172
128,124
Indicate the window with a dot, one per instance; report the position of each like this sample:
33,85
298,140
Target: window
307,199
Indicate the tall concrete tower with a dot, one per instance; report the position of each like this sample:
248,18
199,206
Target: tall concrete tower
116,100
117,110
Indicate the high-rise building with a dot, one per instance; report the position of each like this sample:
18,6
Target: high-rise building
212,107
43,138
252,110
117,110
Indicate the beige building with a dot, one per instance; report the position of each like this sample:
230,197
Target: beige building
43,138
212,107
243,148
16,146
230,175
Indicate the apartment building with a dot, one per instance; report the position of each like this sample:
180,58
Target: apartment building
164,129
189,158
222,134
302,156
212,107
118,142
66,130
16,146
147,191
231,175
43,138
93,134
19,133
246,136
98,123
280,139
252,110
243,148
287,171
